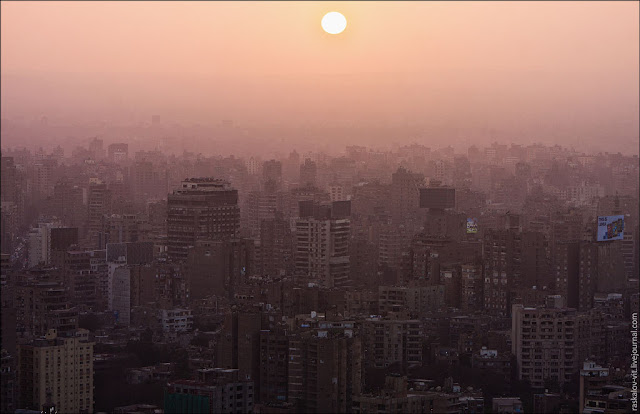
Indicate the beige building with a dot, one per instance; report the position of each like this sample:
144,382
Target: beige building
552,341
61,366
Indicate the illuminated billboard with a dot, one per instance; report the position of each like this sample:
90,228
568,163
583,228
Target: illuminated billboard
610,228
472,225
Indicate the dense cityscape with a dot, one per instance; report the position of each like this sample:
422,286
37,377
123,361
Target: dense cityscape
283,207
497,279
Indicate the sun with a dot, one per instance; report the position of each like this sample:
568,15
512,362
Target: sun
334,23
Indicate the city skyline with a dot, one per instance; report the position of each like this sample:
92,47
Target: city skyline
248,207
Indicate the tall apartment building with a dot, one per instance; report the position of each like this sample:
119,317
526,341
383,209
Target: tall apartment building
274,365
99,204
535,260
502,260
261,206
277,251
322,242
43,176
551,342
390,341
40,243
471,288
272,172
201,209
120,294
68,205
580,269
147,181
59,367
405,193
325,370
393,241
239,345
8,225
217,267
308,173
75,268
41,306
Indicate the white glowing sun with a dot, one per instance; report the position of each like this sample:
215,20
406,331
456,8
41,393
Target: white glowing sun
334,23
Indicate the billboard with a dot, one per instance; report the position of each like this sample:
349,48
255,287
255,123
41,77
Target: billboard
472,225
610,228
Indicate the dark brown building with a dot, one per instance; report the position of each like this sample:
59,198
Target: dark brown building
201,209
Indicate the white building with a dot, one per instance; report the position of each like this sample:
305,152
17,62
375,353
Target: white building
176,320
40,243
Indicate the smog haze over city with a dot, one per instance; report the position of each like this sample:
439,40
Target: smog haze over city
446,72
319,207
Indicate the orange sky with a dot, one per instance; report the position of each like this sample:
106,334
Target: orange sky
510,64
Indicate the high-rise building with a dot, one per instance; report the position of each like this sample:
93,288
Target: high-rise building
405,194
275,244
67,204
239,345
308,173
8,384
322,242
120,294
471,285
43,179
259,206
99,204
40,243
325,370
392,341
202,209
59,368
550,342
217,267
274,365
9,217
502,269
42,306
9,180
147,182
75,268
96,148
535,256
272,172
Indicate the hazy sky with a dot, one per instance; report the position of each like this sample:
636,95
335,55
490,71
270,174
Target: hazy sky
523,68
